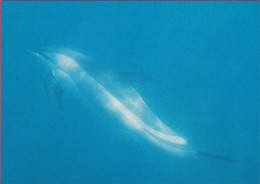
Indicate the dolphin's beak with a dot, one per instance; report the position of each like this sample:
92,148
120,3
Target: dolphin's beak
35,52
32,51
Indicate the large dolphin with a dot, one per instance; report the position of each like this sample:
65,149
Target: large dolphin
107,90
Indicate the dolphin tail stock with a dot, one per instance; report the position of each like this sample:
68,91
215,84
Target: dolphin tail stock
52,89
214,156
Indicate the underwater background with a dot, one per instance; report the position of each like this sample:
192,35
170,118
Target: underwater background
204,61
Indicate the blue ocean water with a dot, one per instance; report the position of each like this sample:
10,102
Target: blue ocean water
204,61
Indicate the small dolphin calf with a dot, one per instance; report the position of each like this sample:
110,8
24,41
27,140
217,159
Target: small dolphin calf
106,90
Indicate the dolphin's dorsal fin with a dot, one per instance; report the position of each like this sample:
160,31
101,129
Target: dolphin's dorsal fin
134,77
52,89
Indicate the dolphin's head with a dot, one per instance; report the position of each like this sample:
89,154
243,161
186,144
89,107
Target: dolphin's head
56,58
43,53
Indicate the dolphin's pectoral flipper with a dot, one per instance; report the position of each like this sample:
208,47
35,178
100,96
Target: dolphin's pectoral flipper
215,156
47,87
52,89
58,95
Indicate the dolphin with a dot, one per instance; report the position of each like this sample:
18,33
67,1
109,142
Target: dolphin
107,90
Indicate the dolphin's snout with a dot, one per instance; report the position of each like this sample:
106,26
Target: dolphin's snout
33,51
38,52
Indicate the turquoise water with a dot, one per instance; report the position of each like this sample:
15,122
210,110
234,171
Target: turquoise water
203,59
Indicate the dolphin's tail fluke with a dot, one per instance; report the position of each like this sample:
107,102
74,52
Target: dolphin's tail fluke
214,156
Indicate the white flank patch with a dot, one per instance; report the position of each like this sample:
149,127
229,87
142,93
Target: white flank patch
66,62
